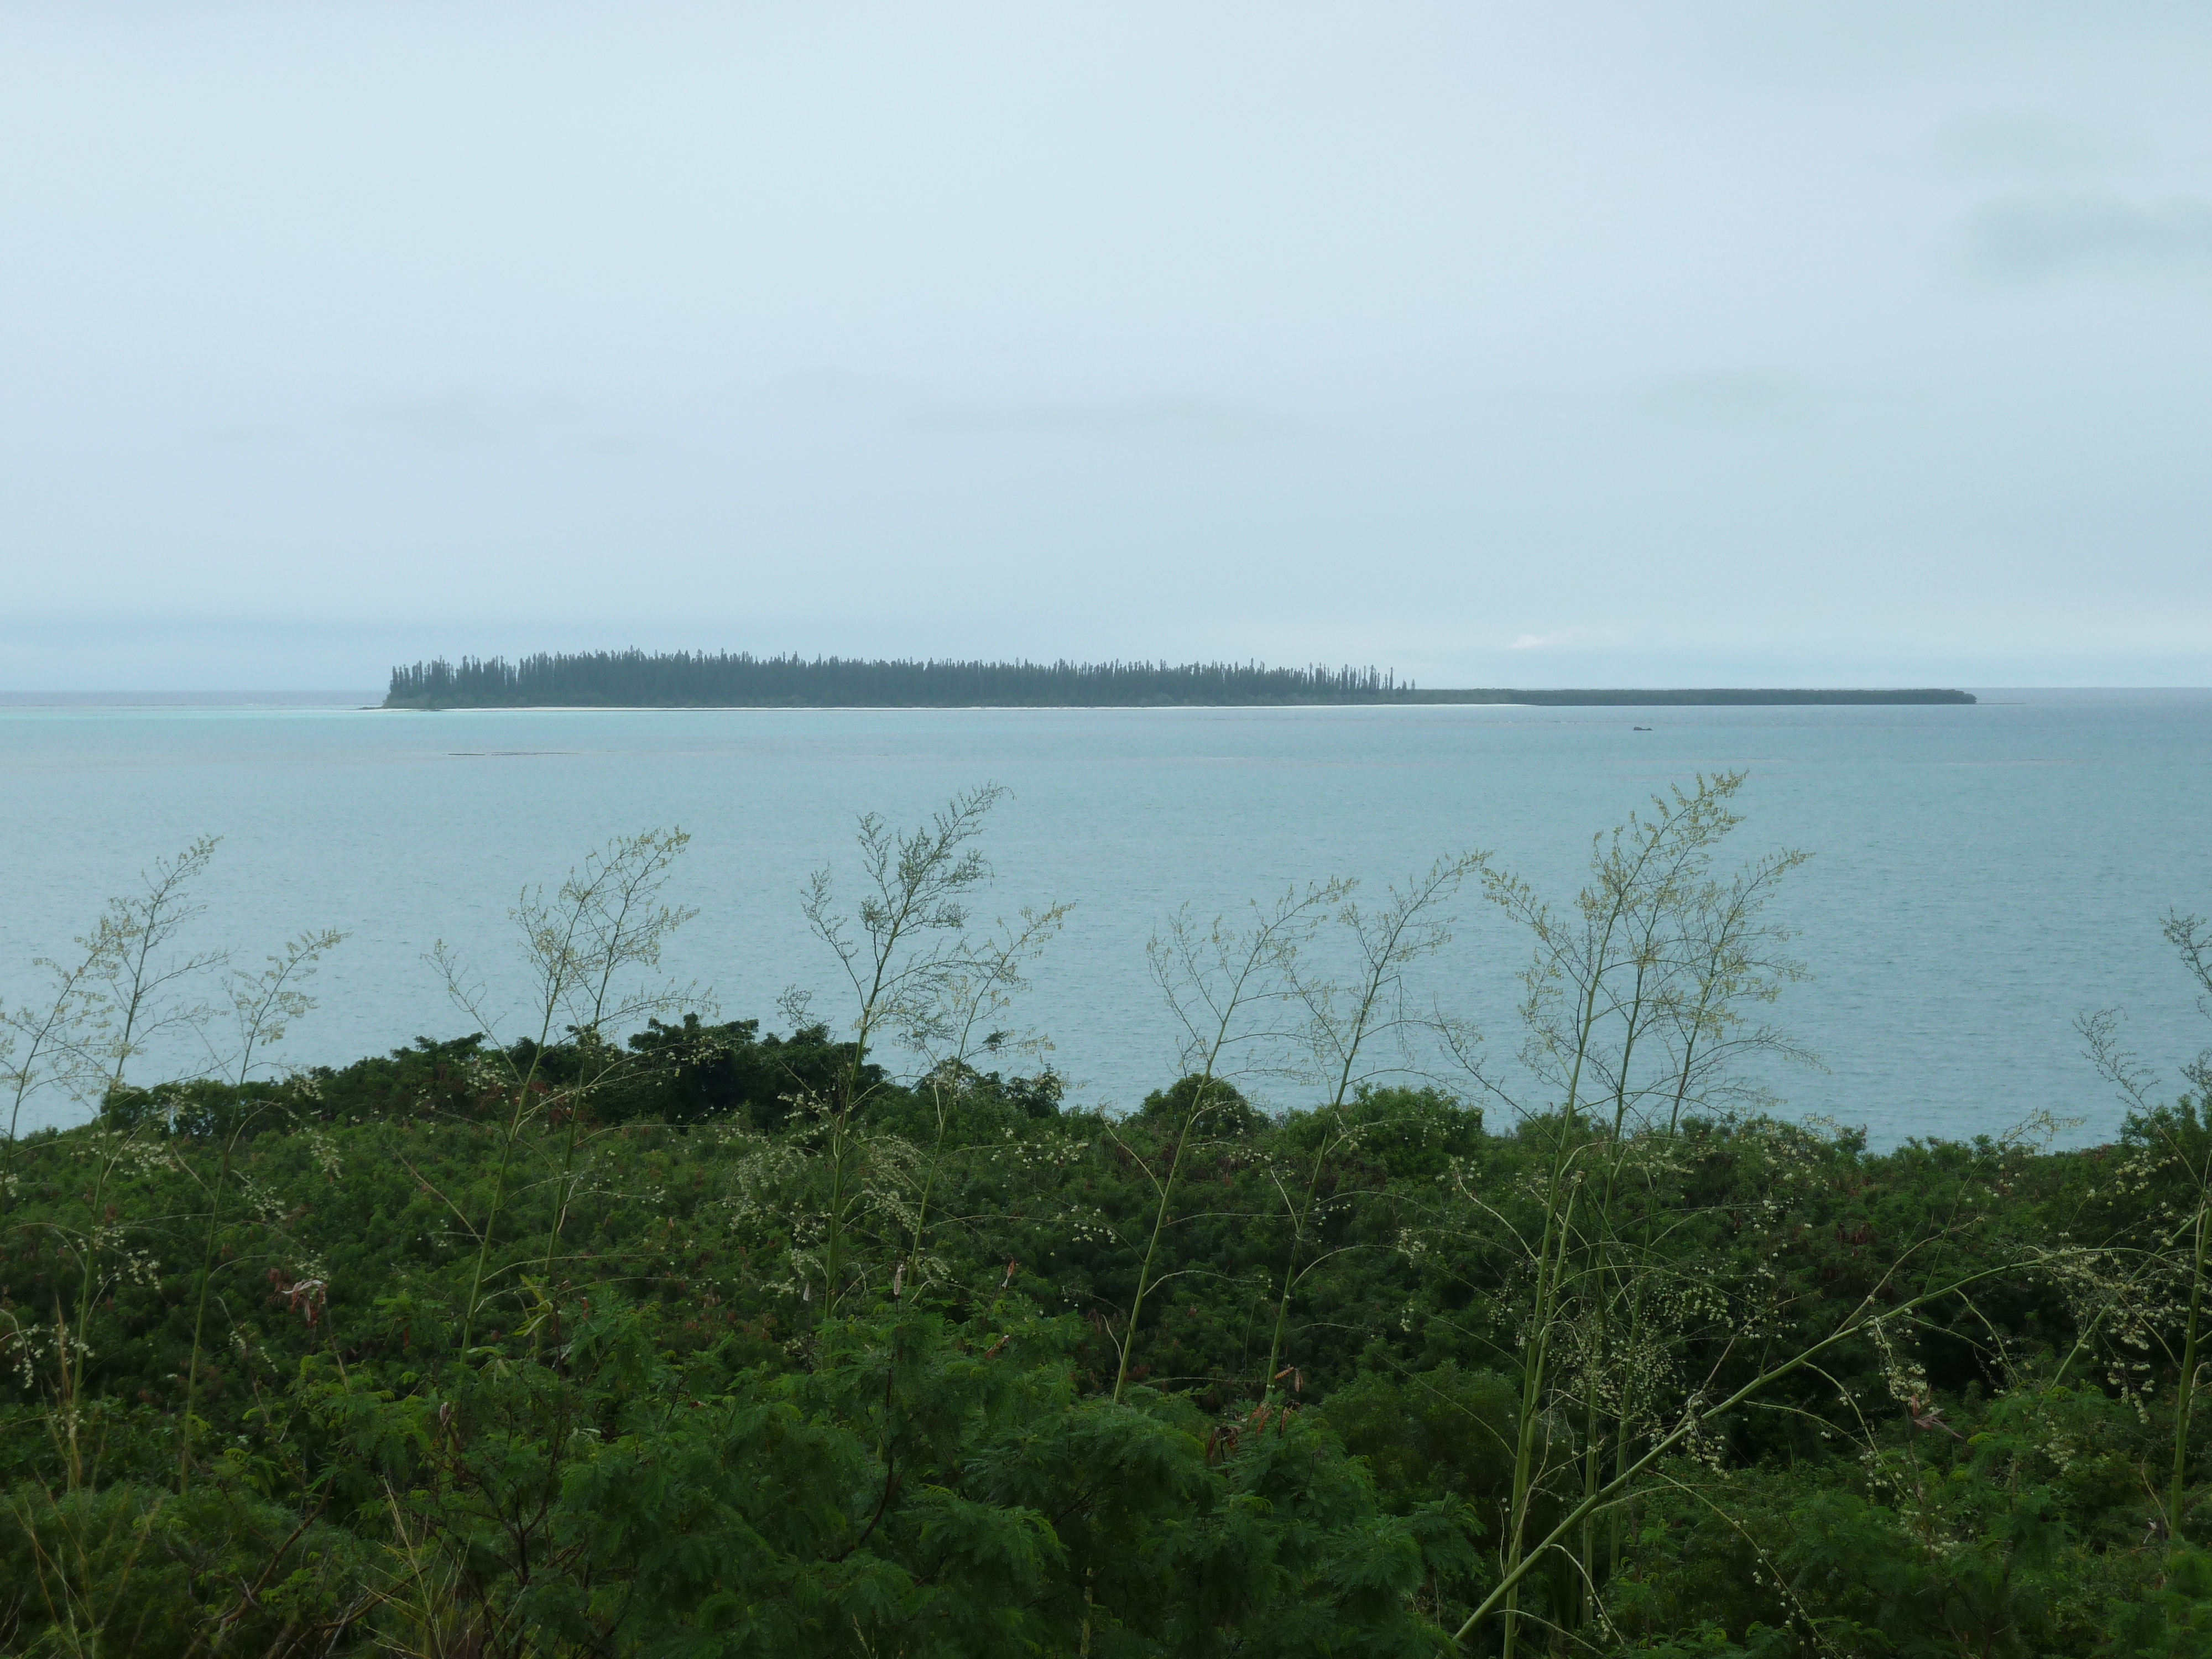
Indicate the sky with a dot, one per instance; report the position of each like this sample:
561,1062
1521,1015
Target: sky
1607,344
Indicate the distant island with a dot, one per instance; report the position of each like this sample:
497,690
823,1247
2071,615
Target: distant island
683,679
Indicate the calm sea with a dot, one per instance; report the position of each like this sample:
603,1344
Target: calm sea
1981,875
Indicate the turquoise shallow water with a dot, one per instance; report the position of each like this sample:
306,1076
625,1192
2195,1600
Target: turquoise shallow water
1981,874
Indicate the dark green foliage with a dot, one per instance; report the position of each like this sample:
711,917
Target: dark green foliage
1227,1114
1436,1434
696,1072
656,1445
443,1079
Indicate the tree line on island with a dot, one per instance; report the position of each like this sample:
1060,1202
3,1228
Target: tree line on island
617,1328
638,679
683,679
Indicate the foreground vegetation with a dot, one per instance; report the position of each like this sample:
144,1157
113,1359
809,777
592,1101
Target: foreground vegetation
633,1331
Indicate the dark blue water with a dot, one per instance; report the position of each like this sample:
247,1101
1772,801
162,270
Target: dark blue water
1980,876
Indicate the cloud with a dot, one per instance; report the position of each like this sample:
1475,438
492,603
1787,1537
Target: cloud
1563,636
461,418
2018,143
1748,398
1186,419
2026,239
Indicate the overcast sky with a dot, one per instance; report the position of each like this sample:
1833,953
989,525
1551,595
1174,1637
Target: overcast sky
1528,344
